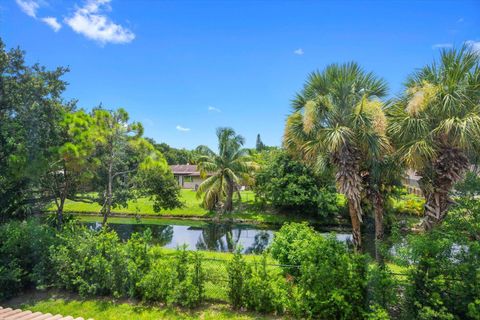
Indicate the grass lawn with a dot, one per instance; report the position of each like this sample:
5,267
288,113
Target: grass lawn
107,309
144,206
191,209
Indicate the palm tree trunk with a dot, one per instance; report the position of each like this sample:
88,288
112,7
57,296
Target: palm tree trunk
349,183
356,230
378,209
378,202
60,212
229,199
449,168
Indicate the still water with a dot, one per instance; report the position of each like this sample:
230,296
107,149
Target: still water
211,236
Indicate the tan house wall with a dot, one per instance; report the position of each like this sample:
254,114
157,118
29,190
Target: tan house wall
185,184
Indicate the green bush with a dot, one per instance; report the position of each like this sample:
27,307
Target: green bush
407,203
24,259
290,244
189,288
330,282
469,186
265,290
175,279
158,284
444,276
237,273
382,290
92,263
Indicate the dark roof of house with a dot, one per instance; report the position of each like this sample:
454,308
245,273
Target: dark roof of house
185,169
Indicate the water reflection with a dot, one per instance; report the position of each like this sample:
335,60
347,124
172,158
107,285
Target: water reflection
213,236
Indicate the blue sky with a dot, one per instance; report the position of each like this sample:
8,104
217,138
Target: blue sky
183,68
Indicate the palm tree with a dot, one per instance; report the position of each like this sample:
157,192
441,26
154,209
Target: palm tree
380,176
338,120
227,169
436,126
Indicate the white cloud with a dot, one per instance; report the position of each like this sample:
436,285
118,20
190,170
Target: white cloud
93,24
30,7
474,45
299,52
460,20
180,128
442,45
211,108
52,23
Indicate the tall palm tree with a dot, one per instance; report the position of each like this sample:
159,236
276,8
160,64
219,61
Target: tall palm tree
227,169
338,120
436,125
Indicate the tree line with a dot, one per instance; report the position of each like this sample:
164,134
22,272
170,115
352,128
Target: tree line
51,150
341,126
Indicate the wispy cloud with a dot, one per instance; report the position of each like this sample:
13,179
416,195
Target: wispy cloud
52,23
29,7
299,52
91,21
475,45
180,128
460,20
213,109
442,45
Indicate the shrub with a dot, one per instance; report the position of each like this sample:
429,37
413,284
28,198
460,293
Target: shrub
407,203
290,243
189,288
265,290
138,261
237,272
382,291
444,274
175,279
159,283
331,284
24,259
91,263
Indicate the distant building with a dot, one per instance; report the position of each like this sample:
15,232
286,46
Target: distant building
187,176
411,180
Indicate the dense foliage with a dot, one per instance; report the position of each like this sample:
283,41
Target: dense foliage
50,151
24,262
292,187
444,276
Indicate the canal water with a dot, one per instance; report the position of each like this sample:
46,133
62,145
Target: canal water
210,236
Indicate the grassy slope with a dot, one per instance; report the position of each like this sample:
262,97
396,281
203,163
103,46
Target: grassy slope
110,310
144,206
191,209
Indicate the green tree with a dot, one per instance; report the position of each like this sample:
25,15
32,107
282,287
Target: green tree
259,146
436,126
129,165
173,155
30,109
338,120
227,169
71,166
287,184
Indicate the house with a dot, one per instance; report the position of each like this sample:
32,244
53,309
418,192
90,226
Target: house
187,175
411,182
